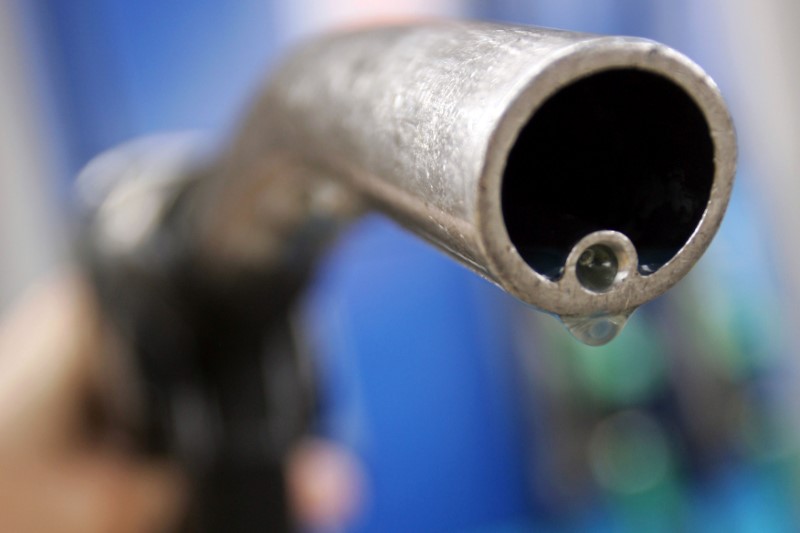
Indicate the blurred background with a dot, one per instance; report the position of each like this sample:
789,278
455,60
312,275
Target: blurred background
468,411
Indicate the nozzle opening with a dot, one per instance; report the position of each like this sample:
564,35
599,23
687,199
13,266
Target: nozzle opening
625,150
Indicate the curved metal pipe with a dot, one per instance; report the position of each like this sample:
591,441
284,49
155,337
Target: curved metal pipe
430,124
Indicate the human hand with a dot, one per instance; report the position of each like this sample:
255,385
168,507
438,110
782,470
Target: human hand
55,475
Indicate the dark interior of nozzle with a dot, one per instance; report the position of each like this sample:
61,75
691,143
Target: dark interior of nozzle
625,150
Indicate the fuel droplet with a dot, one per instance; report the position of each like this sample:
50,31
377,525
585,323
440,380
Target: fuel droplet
597,268
596,330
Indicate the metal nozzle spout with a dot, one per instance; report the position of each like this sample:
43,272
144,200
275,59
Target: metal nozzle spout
503,146
512,149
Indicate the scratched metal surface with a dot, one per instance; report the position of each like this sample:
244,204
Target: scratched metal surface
419,120
408,125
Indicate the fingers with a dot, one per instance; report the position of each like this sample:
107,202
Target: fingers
92,493
48,345
326,485
118,495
